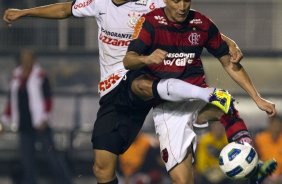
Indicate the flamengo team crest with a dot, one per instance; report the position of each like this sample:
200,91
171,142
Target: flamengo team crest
194,38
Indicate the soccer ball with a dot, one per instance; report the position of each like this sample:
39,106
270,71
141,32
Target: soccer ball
238,160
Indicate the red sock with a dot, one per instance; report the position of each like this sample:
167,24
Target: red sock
235,128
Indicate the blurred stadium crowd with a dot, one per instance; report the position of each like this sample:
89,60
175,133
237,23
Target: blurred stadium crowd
68,51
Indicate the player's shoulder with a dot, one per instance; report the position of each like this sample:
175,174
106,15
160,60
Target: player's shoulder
155,17
198,15
155,4
101,3
199,19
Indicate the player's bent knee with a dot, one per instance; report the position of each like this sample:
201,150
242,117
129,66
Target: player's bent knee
104,165
209,113
103,173
180,179
142,88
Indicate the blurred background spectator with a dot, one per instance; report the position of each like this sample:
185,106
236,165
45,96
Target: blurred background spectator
141,163
269,145
209,147
208,150
28,111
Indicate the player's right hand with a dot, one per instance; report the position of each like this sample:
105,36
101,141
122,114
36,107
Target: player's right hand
266,106
11,15
156,57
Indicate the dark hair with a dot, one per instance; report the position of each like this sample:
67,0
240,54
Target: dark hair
18,55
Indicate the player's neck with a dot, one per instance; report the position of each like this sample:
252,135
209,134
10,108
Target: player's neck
119,1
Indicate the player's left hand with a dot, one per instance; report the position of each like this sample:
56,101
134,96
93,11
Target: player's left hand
235,53
266,106
12,14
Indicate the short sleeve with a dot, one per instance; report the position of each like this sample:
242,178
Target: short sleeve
84,8
215,44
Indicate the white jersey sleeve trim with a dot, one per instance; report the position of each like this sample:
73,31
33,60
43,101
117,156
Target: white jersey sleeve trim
84,8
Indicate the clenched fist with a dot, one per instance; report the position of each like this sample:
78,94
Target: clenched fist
11,15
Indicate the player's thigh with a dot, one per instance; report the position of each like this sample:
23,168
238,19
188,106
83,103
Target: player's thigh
209,113
104,159
183,172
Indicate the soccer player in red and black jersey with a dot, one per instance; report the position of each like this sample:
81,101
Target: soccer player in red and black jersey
113,131
168,43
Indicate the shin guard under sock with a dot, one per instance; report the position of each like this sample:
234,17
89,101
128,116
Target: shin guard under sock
235,128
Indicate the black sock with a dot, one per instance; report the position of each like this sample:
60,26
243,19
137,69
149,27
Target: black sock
155,90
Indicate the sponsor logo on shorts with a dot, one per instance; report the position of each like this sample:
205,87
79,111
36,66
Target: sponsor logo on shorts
179,59
83,4
165,155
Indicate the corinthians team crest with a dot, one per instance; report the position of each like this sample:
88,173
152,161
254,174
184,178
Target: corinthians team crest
133,18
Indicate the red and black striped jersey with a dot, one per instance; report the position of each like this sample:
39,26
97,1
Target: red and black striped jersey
184,43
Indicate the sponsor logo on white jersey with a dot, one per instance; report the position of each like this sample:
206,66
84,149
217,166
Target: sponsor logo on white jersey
115,34
83,4
194,38
141,2
114,38
110,82
179,59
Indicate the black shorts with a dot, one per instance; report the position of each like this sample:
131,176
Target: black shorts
120,117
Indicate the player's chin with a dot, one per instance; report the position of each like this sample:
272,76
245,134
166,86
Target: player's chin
180,19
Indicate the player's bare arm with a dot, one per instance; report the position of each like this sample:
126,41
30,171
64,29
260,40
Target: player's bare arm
52,11
234,51
133,60
240,76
